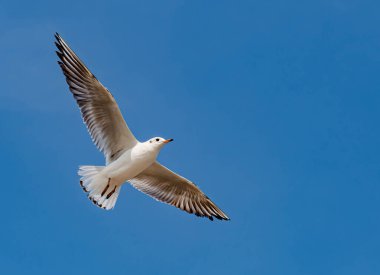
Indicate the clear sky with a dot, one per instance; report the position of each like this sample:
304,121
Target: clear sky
274,108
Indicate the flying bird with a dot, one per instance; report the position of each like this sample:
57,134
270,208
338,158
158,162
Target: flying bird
127,159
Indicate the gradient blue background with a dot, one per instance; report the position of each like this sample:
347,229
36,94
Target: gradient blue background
274,108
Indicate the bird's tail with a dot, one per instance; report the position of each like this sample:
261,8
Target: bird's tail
100,189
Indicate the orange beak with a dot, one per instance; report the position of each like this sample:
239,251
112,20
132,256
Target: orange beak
168,140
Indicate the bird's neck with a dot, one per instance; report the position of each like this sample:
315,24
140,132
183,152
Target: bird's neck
145,151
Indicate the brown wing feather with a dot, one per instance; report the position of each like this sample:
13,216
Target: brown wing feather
99,109
166,186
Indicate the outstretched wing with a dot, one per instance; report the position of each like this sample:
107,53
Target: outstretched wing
166,186
99,109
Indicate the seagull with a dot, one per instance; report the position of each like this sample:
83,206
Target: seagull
127,159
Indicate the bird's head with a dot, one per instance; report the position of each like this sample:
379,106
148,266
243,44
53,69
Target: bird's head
158,142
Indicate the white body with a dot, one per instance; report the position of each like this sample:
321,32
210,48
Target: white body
131,163
103,183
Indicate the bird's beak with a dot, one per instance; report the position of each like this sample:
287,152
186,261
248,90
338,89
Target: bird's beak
168,140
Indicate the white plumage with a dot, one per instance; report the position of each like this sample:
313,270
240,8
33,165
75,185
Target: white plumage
127,159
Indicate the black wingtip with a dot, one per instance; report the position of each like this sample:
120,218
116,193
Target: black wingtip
219,217
59,54
224,218
59,45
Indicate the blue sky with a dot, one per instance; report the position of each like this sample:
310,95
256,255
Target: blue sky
274,108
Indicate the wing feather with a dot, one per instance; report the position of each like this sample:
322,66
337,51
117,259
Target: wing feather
166,186
99,109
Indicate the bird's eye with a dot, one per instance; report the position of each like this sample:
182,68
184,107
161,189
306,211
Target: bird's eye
157,139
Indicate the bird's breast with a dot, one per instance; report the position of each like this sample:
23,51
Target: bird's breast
130,164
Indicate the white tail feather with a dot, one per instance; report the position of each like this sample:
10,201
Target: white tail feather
100,189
